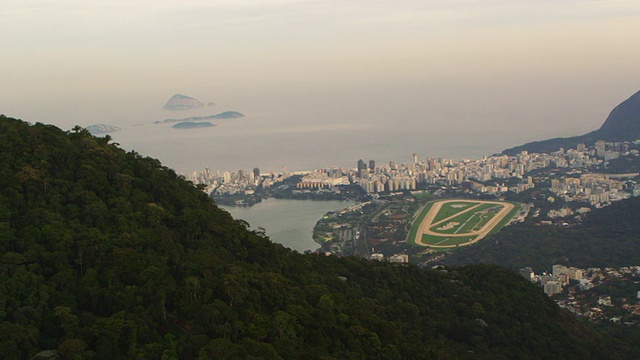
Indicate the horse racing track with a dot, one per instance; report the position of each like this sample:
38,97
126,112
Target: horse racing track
456,222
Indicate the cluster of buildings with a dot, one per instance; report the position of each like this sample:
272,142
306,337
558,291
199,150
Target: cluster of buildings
595,189
559,277
613,303
392,177
236,183
397,258
494,174
323,179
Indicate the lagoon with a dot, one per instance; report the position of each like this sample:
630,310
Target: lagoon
287,222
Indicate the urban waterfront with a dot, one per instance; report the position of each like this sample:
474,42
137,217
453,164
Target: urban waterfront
287,222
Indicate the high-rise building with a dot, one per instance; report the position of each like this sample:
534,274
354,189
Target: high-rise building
372,165
552,287
600,148
414,158
362,168
558,269
527,273
256,172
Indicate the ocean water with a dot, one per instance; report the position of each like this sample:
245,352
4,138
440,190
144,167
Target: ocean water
269,143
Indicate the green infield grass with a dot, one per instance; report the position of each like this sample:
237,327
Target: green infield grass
451,209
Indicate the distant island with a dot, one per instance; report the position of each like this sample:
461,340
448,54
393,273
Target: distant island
223,115
191,125
102,129
182,102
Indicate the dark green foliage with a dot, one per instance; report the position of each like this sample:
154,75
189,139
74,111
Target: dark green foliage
108,254
624,164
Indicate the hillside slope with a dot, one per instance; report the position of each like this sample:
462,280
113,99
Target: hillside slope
106,254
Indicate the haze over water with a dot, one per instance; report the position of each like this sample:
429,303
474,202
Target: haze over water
322,82
285,133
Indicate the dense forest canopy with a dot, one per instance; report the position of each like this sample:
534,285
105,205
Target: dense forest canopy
107,254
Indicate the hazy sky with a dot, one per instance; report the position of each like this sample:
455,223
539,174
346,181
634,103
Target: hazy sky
491,63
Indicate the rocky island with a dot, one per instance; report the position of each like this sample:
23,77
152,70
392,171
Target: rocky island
223,115
191,125
182,102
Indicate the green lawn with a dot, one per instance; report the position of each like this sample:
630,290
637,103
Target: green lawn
446,241
449,210
462,219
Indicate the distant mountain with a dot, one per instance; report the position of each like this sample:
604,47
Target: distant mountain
622,124
191,125
182,102
223,115
102,129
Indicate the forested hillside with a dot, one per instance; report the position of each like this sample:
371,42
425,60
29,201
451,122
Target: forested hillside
106,254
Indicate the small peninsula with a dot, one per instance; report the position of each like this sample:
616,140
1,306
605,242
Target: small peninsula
182,102
223,115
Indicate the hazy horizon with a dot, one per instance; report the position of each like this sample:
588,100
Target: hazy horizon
529,70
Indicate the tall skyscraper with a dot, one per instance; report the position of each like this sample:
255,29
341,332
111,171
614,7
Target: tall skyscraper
372,165
415,158
256,172
362,168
